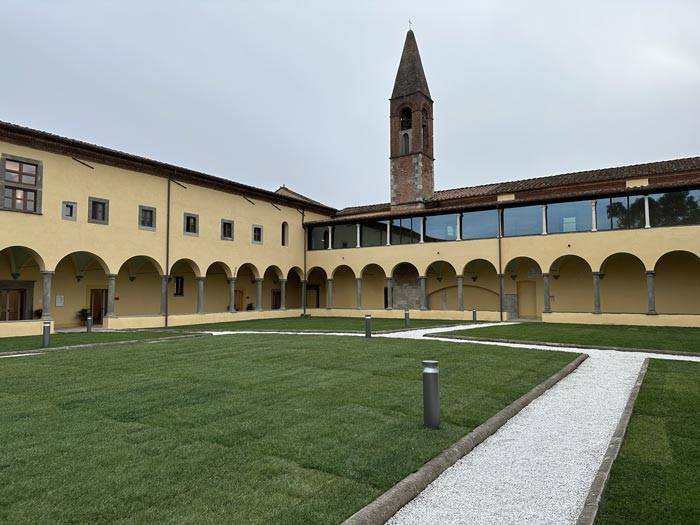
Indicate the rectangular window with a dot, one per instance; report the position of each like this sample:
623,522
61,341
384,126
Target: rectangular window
565,217
405,230
69,210
147,218
344,236
98,210
373,233
441,228
257,234
20,184
191,224
620,213
526,220
179,286
318,238
480,224
226,230
675,208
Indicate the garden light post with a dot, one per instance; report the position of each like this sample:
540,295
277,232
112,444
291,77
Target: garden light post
88,323
406,318
474,315
431,394
368,326
46,334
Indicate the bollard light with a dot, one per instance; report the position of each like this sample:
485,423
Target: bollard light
431,394
46,335
368,326
88,323
406,318
473,315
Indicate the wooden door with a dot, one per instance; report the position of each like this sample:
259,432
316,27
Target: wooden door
527,300
313,296
11,305
276,300
238,300
98,305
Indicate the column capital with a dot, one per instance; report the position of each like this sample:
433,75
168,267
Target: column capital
329,280
259,279
165,276
111,275
47,272
231,279
545,274
651,273
283,280
199,278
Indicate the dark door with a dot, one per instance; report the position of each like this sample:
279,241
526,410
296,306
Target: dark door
11,305
98,305
313,296
276,299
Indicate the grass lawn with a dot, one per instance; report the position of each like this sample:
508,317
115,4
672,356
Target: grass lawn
321,324
33,342
655,477
239,429
660,338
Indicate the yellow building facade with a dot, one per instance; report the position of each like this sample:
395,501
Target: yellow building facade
139,243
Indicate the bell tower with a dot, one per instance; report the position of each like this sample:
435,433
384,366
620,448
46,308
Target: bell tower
411,131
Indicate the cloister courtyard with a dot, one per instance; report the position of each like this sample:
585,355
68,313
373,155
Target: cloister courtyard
306,420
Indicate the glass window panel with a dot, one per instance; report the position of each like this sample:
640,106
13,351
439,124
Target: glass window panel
29,168
318,237
344,236
11,177
98,211
480,224
405,230
635,211
441,228
29,179
12,165
569,217
373,233
522,221
675,208
8,202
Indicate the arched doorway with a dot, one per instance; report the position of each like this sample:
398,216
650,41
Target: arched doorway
272,288
21,284
623,287
294,288
316,288
246,287
523,292
81,286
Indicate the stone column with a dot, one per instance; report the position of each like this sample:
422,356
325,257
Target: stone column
358,300
547,299
258,294
329,294
111,294
163,293
423,293
199,281
422,229
357,244
501,293
647,217
460,293
232,294
651,294
303,294
596,292
47,280
388,233
389,293
283,294
544,219
458,237
330,238
594,216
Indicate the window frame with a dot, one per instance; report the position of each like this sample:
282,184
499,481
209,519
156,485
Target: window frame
284,237
185,216
73,217
92,200
253,234
179,290
37,188
141,226
233,233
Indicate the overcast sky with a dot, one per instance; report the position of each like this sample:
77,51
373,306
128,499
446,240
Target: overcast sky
271,93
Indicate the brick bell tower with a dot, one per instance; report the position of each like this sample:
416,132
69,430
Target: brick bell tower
411,131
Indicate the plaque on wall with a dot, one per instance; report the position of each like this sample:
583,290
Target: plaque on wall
59,300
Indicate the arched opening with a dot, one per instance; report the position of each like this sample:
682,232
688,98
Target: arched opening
425,128
344,288
294,278
481,286
182,287
405,144
406,292
272,289
441,286
571,285
285,234
374,291
623,286
316,288
677,283
406,118
246,287
216,287
523,296
21,286
138,287
80,286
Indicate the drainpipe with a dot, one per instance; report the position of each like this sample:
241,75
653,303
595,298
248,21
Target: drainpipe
306,241
167,251
500,264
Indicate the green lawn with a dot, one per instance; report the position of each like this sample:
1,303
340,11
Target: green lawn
321,324
33,342
660,338
238,429
655,478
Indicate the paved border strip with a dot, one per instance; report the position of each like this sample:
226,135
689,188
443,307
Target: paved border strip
566,345
386,505
595,494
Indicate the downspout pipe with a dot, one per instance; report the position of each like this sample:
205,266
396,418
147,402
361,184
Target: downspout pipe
167,249
500,263
306,242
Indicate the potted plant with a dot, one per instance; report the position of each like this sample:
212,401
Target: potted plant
83,315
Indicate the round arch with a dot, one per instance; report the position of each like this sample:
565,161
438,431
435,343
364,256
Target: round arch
571,284
623,287
373,268
316,283
19,255
441,286
523,289
80,285
138,287
295,270
190,263
275,270
247,268
676,283
81,257
340,269
136,262
374,289
406,290
220,264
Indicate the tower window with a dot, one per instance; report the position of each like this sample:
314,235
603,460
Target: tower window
405,118
405,143
285,233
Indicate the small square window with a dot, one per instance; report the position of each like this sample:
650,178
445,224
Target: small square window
98,210
257,234
191,224
69,211
226,230
147,218
179,286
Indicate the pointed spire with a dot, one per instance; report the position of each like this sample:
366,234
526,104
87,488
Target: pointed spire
410,76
